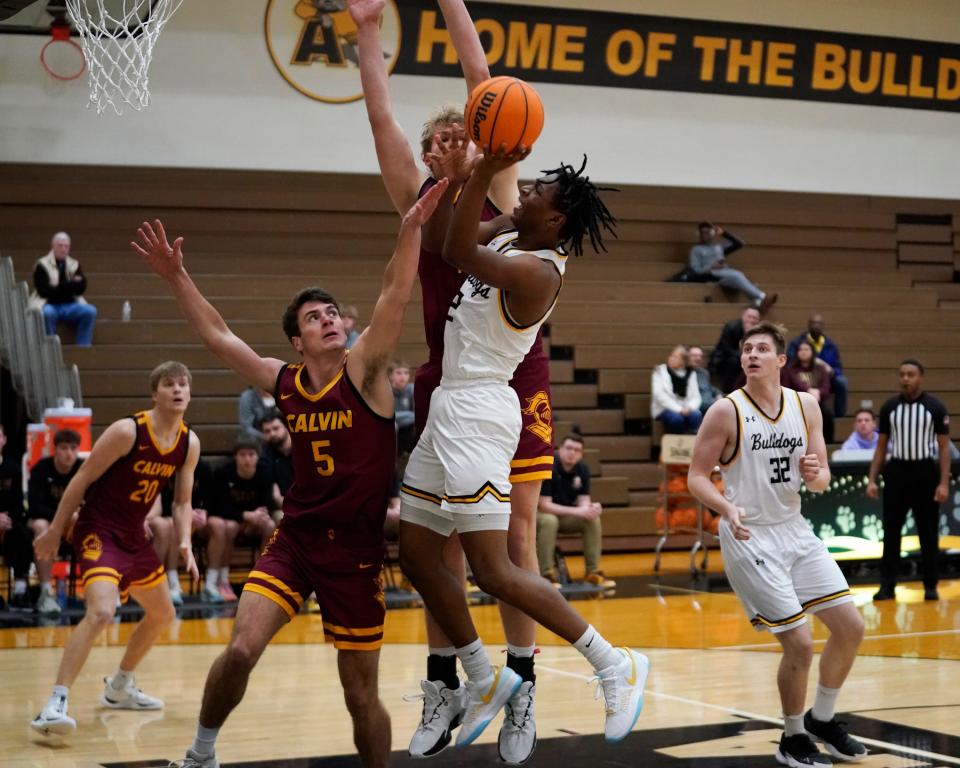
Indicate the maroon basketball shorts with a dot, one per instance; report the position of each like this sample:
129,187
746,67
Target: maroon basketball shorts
347,580
533,460
103,559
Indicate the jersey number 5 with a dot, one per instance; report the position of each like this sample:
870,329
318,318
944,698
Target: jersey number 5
324,460
781,469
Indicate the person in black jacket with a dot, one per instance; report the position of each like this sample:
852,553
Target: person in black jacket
14,535
59,284
49,478
724,362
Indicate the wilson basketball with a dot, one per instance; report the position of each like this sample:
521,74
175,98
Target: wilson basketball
504,111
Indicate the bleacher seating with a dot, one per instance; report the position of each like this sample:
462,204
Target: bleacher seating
253,238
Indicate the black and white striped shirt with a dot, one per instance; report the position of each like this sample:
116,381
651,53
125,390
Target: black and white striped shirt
912,426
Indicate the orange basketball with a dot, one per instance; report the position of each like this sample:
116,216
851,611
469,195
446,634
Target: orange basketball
504,111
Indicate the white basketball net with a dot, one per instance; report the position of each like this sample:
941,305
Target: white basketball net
118,45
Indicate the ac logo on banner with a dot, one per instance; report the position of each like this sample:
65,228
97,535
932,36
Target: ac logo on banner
313,44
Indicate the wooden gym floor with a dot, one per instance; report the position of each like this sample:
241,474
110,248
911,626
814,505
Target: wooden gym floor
711,697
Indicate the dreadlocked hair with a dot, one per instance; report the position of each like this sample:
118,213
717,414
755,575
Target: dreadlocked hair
579,200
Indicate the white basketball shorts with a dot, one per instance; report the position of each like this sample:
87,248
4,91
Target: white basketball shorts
782,573
458,476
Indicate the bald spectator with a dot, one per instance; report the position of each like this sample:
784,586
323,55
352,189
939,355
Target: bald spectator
725,358
59,284
828,353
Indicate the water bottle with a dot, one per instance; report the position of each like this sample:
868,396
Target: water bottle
126,312
62,592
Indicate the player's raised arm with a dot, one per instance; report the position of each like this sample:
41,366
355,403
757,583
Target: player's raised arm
520,274
473,60
115,443
398,166
183,506
167,261
377,343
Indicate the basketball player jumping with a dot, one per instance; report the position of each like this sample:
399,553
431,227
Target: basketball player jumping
440,282
339,410
130,464
766,439
458,474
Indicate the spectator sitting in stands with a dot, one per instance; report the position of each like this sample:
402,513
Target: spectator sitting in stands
724,362
253,405
161,531
58,284
805,373
48,480
278,450
708,392
244,492
675,395
828,353
350,318
403,406
14,535
708,261
565,507
864,436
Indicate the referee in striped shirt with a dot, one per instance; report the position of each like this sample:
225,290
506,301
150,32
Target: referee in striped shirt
913,423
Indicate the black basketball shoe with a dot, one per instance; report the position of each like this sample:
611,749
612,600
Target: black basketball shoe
835,738
799,751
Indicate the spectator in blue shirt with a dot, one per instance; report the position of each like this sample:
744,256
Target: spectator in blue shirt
828,353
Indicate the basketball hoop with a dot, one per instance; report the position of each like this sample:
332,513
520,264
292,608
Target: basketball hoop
118,47
61,57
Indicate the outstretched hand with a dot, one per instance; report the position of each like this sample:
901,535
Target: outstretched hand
494,162
366,11
156,252
423,209
450,156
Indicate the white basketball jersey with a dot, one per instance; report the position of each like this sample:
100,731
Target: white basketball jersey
481,340
763,474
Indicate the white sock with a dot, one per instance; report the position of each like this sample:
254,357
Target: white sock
173,579
120,680
825,704
521,651
45,588
211,581
793,725
475,662
205,741
447,650
59,693
598,651
19,586
225,574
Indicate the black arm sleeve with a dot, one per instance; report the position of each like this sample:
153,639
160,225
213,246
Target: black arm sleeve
37,496
734,243
885,415
78,284
941,420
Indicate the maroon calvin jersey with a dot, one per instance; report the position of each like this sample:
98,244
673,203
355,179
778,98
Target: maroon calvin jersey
119,500
343,454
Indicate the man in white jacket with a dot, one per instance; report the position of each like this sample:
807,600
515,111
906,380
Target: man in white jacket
59,284
675,395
